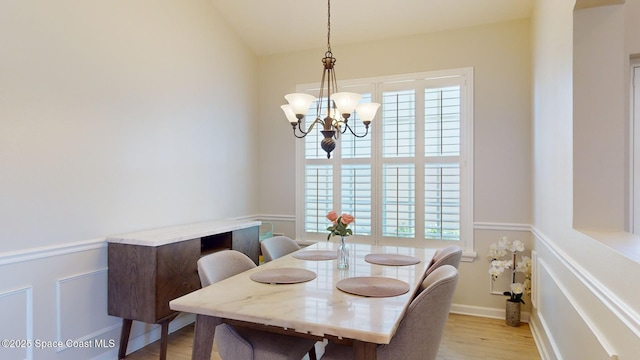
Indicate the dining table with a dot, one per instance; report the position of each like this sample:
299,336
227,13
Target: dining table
305,294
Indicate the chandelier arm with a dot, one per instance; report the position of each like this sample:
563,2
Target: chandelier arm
298,136
304,133
346,126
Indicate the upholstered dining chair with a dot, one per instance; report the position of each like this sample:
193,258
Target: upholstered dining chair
244,343
420,330
277,246
451,255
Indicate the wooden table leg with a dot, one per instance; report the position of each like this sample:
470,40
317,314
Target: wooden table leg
124,338
364,350
203,337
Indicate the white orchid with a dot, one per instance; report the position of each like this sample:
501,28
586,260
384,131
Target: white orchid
517,288
495,271
516,245
524,265
502,263
503,242
527,286
503,248
495,251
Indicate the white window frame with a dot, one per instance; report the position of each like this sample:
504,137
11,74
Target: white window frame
466,241
634,204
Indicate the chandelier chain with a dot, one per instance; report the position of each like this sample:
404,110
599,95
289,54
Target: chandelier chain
329,26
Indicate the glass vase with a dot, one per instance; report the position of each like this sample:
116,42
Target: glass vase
343,254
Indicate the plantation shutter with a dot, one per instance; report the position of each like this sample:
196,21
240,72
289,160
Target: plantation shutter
442,163
356,192
318,195
398,200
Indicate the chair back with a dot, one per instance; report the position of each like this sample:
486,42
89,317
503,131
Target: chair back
420,331
450,255
277,246
221,265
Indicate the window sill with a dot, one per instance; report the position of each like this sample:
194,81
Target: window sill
468,256
624,243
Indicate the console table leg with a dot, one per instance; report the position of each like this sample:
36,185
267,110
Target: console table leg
124,338
164,334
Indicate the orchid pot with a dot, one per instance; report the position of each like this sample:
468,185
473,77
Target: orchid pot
512,313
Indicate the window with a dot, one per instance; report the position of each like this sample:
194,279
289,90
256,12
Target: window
409,182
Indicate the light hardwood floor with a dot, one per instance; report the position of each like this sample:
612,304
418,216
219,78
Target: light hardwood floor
465,337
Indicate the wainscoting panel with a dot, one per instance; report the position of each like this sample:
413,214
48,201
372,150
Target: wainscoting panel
17,318
80,297
575,316
57,296
577,325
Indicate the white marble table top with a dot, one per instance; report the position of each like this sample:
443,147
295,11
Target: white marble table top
172,234
315,307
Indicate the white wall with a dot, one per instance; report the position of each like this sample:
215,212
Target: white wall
115,116
599,117
581,278
500,55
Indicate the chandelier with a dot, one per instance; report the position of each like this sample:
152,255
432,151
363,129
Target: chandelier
339,105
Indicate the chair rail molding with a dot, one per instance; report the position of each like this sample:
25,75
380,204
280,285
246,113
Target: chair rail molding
627,316
18,256
274,217
501,226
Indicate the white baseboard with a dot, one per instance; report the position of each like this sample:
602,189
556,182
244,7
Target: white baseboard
486,312
541,340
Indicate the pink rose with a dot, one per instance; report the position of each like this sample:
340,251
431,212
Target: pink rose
332,216
346,219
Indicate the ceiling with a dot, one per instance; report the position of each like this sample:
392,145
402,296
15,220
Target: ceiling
279,26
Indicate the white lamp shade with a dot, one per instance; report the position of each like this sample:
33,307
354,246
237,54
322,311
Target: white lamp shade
299,102
367,111
346,101
291,117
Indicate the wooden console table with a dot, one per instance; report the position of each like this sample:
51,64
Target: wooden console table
147,269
